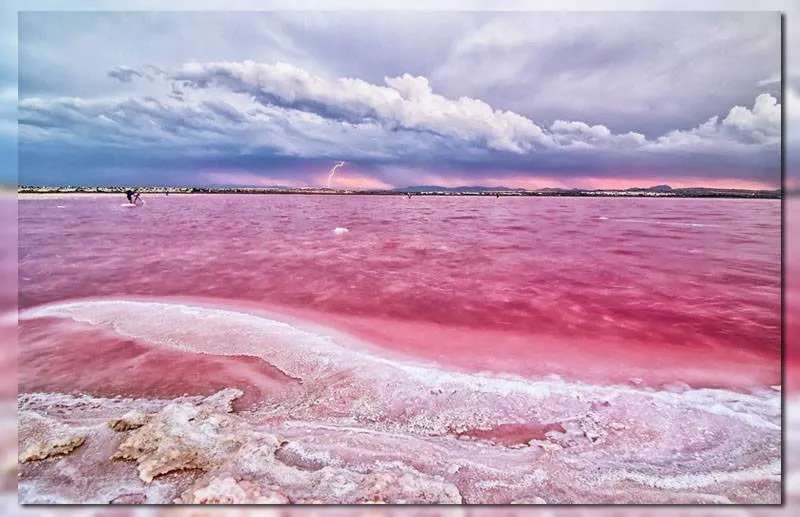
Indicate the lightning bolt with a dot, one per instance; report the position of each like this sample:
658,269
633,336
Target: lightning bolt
332,172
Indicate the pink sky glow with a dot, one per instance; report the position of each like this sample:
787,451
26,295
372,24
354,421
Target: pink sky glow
623,183
353,180
342,180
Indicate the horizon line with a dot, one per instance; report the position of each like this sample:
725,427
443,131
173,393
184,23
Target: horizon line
390,189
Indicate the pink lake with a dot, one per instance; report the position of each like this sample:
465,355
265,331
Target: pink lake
482,318
595,289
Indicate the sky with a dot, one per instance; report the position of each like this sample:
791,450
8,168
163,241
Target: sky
516,98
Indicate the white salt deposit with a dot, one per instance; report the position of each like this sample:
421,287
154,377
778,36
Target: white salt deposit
358,410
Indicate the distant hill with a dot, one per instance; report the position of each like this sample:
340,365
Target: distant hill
557,189
436,188
710,190
657,188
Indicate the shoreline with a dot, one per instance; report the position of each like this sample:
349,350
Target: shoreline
745,371
358,429
328,440
637,193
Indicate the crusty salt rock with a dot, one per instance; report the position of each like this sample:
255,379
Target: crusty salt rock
226,490
545,445
592,429
131,420
180,437
289,455
41,437
575,434
410,489
592,434
223,400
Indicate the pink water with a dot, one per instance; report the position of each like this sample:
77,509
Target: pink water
490,319
586,288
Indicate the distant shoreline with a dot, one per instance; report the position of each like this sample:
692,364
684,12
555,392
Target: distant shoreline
671,193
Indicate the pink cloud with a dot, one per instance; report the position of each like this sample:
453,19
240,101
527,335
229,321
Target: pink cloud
342,180
528,183
535,183
512,180
623,183
348,181
355,180
347,178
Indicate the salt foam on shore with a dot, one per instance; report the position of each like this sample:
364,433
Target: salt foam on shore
366,426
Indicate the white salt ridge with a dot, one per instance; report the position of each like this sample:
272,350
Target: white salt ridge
675,439
302,353
340,231
226,332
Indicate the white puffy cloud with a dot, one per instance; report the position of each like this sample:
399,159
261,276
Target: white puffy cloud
226,110
406,102
759,126
409,102
597,136
763,121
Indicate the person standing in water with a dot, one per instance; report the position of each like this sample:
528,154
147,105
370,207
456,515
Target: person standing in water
133,196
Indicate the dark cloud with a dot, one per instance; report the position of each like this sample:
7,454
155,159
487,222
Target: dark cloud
245,116
573,95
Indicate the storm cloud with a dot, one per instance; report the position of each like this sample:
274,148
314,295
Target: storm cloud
567,97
